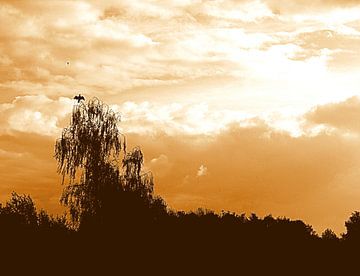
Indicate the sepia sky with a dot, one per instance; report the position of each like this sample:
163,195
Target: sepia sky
241,105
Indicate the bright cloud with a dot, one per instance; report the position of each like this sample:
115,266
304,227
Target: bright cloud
202,171
35,114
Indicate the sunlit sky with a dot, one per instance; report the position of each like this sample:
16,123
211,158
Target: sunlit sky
241,105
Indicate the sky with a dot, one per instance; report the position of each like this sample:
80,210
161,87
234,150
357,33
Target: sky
240,105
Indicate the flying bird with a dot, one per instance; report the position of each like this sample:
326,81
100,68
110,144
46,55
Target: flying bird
79,98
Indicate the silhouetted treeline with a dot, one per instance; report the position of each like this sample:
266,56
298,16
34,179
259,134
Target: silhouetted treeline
137,231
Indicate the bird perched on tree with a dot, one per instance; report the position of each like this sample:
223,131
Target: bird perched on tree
79,98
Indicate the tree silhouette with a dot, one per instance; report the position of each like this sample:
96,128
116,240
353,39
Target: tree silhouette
329,235
20,213
353,228
88,153
20,209
132,179
100,187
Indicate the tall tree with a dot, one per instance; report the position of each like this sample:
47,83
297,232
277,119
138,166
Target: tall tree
88,157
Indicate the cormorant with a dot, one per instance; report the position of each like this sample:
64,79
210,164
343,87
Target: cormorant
79,98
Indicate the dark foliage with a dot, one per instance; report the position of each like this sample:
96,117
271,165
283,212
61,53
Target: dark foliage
138,229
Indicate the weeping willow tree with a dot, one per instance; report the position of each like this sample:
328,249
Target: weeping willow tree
88,155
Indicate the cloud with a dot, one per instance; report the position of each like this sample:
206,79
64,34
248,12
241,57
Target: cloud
47,116
34,114
131,50
339,45
160,165
301,6
202,171
175,118
342,115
